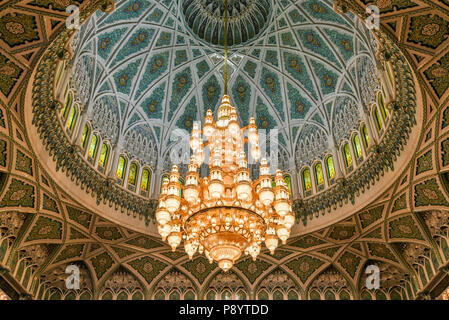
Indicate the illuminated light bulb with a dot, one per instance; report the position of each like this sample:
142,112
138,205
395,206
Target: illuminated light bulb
271,241
172,202
289,220
283,233
174,239
253,136
164,230
162,216
282,207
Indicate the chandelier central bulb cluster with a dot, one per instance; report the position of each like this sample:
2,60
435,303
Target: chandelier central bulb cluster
226,214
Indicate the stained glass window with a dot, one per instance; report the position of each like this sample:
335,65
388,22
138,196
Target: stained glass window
93,146
121,167
72,118
377,120
189,295
68,104
104,153
86,132
145,179
174,296
330,167
159,295
347,155
292,295
383,110
277,295
132,174
263,295
365,136
319,176
288,182
357,146
307,181
164,177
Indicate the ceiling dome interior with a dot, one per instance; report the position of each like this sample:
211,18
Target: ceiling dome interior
307,73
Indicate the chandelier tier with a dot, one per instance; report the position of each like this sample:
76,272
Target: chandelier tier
225,214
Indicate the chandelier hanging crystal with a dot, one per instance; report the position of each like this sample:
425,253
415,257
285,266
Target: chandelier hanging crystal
225,214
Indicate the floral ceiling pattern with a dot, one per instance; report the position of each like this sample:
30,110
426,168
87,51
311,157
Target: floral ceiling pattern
307,67
404,231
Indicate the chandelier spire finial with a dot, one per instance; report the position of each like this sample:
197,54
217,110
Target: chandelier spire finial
226,49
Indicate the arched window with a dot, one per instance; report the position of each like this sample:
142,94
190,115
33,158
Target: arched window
278,295
288,182
145,182
84,137
263,295
357,147
72,119
93,147
307,181
159,295
240,295
164,177
189,295
347,156
365,136
181,182
133,171
377,120
319,176
226,295
292,295
68,104
330,169
104,153
381,102
174,296
121,168
211,295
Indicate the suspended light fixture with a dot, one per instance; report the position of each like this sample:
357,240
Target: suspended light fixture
225,214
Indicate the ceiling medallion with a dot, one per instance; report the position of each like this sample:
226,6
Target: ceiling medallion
225,214
248,19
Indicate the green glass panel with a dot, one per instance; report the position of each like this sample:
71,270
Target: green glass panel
189,295
382,106
132,174
319,174
84,136
103,155
377,120
72,118
145,180
121,167
347,155
307,181
288,182
93,146
210,295
357,146
330,168
365,136
68,104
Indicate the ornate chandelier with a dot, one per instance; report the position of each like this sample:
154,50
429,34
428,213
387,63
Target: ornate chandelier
225,214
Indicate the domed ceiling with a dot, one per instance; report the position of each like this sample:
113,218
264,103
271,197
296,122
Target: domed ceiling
151,67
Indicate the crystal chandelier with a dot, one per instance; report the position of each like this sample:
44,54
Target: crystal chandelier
225,214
